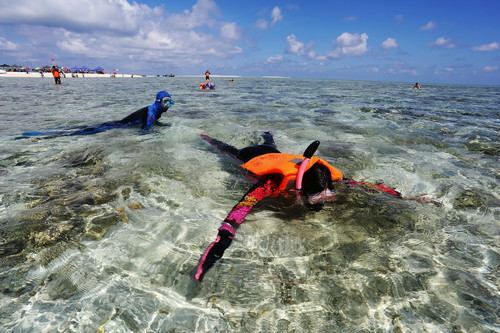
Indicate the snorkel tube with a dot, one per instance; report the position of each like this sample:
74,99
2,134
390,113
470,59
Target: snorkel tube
310,150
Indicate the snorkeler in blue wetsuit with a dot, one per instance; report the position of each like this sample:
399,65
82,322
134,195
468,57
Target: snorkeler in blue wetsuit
147,116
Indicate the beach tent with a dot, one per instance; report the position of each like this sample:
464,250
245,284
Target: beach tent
75,69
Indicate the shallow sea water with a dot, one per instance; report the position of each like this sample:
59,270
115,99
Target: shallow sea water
101,233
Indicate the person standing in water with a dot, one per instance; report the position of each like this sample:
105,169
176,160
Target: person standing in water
207,75
56,74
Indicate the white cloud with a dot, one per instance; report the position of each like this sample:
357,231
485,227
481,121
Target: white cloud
261,24
350,18
299,48
490,68
276,16
390,43
6,45
429,26
278,58
115,16
204,12
408,71
230,31
120,32
402,68
442,43
348,44
487,47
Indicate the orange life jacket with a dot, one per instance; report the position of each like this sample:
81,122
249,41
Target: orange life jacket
286,165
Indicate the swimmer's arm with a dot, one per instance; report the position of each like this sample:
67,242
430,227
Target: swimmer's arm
228,228
381,187
150,120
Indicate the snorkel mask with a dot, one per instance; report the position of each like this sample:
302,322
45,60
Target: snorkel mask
321,197
167,102
163,98
315,201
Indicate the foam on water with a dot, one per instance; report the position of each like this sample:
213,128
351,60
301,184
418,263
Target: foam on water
102,232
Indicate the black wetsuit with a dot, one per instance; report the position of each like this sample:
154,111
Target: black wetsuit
138,117
247,153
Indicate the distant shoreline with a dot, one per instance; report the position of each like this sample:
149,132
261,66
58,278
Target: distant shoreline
108,75
68,75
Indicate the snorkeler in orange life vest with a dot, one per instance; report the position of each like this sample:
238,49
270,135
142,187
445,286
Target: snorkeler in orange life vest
310,179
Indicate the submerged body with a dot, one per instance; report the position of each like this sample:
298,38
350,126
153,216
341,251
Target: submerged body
279,174
146,116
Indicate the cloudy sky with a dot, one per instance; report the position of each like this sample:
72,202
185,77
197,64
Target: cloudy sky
427,41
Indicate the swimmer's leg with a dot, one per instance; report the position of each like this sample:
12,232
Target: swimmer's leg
223,147
246,154
268,138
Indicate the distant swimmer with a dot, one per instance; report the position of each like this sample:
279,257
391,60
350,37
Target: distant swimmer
207,75
417,86
230,80
147,116
207,85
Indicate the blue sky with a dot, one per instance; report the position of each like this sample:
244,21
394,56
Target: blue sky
435,41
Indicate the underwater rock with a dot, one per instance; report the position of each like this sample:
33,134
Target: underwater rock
12,247
64,207
468,199
135,206
126,192
488,148
99,226
123,215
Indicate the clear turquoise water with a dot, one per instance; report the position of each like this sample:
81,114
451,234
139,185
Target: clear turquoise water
103,231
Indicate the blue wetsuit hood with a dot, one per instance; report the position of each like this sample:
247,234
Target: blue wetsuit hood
155,110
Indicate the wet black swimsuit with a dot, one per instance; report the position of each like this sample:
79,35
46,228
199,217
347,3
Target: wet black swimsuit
247,153
140,115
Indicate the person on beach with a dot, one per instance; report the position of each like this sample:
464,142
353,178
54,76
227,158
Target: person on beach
56,74
207,75
147,117
309,179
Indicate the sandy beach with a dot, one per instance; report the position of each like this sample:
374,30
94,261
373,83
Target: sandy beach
107,75
68,75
